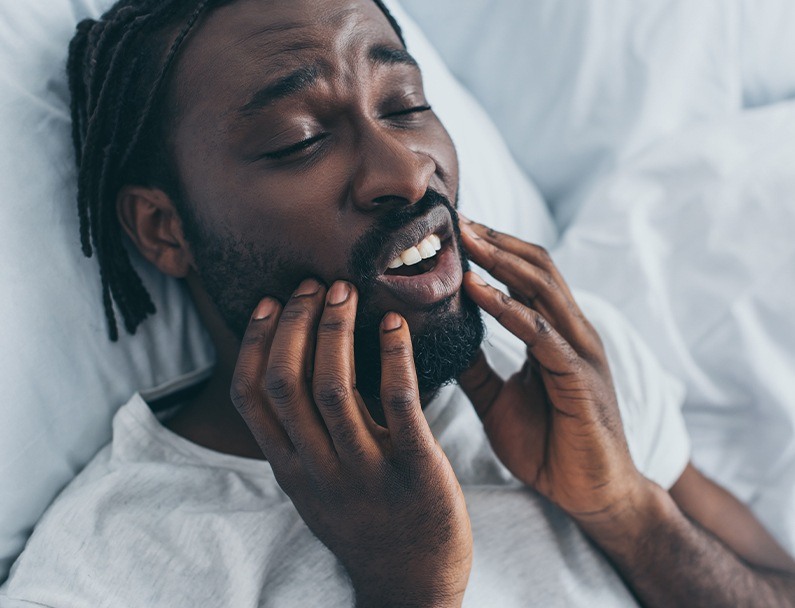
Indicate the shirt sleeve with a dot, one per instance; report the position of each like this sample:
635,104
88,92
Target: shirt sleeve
650,399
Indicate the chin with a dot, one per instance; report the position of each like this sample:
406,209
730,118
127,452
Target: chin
422,318
446,338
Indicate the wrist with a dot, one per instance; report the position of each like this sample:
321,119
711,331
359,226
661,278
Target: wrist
407,598
423,589
633,521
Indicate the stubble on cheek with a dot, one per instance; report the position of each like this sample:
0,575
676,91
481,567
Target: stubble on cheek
237,275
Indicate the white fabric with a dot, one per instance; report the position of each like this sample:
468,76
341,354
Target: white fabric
155,520
576,87
493,187
693,242
62,380
767,48
627,113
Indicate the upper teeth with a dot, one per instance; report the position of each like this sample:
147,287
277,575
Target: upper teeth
425,249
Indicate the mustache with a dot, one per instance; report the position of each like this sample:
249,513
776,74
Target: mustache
367,249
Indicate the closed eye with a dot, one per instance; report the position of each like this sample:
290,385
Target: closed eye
406,112
295,148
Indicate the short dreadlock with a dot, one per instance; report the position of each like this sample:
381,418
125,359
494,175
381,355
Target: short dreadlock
118,69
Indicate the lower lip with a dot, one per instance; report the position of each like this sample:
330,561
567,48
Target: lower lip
431,287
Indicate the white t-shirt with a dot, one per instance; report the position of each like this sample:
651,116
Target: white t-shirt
155,520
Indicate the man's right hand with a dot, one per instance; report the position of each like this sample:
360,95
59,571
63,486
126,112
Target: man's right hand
385,501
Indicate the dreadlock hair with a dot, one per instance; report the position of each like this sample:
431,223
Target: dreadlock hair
118,70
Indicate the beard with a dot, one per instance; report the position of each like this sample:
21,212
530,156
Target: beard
451,334
237,274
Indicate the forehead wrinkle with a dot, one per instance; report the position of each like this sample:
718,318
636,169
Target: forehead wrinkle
264,32
265,44
275,49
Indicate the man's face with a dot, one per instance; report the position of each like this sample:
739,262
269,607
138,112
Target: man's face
305,148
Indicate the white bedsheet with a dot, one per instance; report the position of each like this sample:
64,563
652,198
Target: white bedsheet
693,241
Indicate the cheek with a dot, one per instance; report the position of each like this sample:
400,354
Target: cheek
305,244
442,150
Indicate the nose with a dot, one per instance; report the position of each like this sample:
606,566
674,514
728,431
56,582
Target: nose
390,171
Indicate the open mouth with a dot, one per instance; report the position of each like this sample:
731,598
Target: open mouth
422,267
416,260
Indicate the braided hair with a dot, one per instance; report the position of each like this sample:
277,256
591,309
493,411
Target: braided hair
118,69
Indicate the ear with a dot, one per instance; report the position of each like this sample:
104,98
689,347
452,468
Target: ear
150,219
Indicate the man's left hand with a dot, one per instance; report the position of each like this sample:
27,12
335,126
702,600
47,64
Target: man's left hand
555,424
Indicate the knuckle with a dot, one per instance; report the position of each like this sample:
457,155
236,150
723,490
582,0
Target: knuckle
399,398
508,306
501,257
544,259
507,300
242,393
254,339
548,280
346,437
296,312
542,326
397,350
513,305
331,392
281,385
573,360
334,325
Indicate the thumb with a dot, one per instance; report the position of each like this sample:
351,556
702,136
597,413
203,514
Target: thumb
481,384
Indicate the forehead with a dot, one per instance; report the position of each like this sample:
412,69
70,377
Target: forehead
242,44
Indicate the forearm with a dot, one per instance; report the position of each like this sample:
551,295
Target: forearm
667,560
397,601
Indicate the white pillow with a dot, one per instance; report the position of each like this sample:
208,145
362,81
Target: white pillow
576,86
692,241
62,379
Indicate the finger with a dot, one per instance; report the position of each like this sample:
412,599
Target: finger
245,391
286,386
535,287
530,282
400,397
545,344
534,254
481,384
333,383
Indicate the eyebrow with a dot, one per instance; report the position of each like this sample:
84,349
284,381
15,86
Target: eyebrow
386,55
304,77
295,82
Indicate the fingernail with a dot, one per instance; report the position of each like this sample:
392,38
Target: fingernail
307,287
339,293
464,219
265,309
477,279
391,322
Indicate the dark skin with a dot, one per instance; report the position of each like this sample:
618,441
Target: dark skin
555,424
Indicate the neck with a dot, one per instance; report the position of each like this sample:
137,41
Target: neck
209,419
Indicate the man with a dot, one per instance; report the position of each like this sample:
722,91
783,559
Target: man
280,156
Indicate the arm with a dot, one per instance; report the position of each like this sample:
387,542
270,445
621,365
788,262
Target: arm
670,558
555,424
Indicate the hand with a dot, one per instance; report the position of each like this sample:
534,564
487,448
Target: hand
385,501
555,424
